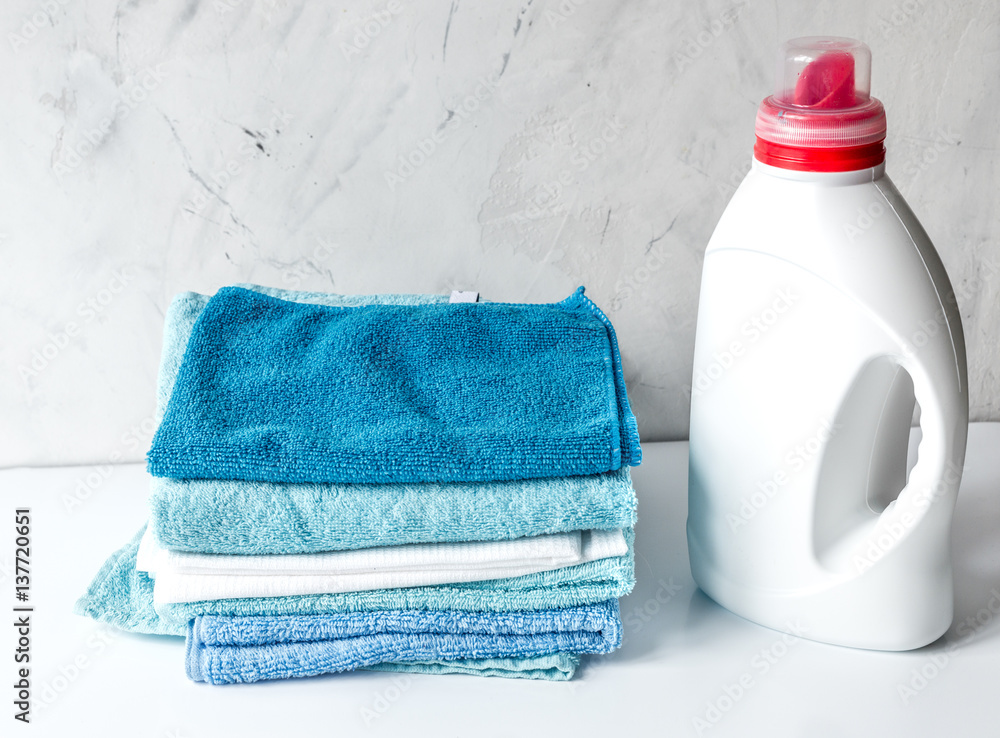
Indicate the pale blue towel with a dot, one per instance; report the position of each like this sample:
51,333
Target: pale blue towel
238,517
223,517
225,650
282,391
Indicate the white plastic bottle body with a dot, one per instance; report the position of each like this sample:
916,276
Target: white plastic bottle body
823,303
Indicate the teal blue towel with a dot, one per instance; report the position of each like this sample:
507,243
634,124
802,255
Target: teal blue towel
227,650
123,597
281,391
238,517
185,308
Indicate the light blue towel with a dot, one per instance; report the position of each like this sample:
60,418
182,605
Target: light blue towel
123,597
280,391
226,650
239,517
218,516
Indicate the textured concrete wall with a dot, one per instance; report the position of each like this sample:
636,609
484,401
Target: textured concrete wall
518,150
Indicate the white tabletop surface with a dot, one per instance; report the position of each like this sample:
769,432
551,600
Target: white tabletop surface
681,655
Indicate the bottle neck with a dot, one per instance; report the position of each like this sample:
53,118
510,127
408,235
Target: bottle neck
820,158
857,176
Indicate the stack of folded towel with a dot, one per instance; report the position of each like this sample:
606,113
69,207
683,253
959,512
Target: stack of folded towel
391,482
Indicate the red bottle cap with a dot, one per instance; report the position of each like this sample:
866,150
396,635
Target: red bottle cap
822,118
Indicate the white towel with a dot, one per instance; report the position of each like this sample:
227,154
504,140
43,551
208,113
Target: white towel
192,577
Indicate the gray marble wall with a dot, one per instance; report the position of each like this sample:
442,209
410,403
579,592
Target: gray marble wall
517,149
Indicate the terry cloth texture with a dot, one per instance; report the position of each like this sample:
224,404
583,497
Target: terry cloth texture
123,596
223,517
187,577
185,308
269,516
239,517
280,391
226,650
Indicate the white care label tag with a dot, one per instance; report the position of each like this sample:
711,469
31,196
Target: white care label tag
458,296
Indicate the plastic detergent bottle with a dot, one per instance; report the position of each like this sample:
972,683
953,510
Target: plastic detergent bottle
824,313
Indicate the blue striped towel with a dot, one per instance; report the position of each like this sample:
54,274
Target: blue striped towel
226,650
